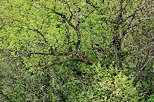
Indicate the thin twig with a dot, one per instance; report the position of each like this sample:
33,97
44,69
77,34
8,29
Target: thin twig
141,69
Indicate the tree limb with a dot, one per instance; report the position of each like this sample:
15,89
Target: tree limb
72,59
80,57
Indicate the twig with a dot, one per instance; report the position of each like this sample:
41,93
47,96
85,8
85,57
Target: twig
143,67
69,8
39,32
54,54
35,30
127,4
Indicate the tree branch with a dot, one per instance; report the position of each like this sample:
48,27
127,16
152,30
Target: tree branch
80,57
37,31
72,59
90,3
141,69
69,8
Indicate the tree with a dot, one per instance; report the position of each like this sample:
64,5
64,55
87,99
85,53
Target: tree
48,45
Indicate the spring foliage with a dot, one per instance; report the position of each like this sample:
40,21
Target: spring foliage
76,50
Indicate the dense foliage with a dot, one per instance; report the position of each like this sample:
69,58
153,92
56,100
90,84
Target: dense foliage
76,51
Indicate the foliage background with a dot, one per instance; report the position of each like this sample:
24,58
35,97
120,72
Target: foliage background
84,50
